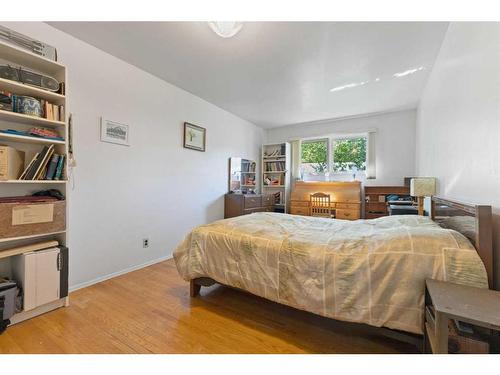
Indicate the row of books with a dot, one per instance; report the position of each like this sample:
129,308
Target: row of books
45,165
248,167
52,111
274,166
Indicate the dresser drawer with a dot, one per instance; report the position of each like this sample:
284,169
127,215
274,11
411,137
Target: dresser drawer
300,211
252,201
347,206
268,200
346,214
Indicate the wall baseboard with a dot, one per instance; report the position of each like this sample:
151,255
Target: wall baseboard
85,284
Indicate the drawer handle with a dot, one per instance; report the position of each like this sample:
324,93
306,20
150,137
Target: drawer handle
347,214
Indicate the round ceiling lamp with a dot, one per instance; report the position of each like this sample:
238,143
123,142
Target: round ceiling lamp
226,29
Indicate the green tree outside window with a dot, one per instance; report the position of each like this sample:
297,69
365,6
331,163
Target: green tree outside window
348,153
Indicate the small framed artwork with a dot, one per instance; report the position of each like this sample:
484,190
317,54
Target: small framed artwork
194,137
114,132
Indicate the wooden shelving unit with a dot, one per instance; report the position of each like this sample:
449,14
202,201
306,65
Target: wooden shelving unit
277,154
14,246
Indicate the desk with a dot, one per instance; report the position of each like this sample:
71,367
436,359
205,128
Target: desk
345,197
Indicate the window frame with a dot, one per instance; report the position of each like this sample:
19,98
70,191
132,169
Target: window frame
342,138
330,140
314,140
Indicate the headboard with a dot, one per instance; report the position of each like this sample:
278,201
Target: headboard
473,221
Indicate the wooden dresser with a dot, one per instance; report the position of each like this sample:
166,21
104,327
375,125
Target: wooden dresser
345,197
242,204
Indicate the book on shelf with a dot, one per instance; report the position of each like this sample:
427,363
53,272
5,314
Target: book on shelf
45,165
277,152
35,133
277,166
249,180
60,166
273,180
248,167
43,108
51,169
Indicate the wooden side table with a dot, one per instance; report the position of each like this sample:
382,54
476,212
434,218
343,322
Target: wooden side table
445,301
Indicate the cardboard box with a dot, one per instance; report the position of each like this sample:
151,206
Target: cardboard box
11,163
27,219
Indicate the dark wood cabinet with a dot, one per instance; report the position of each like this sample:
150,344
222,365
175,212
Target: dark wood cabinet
243,204
376,199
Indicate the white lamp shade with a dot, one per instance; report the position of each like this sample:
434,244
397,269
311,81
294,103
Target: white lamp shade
422,186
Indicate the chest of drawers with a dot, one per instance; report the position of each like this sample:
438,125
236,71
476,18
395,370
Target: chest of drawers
243,204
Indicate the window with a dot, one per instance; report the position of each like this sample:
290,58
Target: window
349,153
315,157
333,156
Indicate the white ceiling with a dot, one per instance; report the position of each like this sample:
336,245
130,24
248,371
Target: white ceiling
280,73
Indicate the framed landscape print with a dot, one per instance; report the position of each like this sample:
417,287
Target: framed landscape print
114,132
194,137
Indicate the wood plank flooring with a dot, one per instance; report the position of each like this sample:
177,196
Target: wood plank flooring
150,311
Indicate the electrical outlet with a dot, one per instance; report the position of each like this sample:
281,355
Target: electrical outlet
145,243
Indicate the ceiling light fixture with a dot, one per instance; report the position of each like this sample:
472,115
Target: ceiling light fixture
225,29
408,72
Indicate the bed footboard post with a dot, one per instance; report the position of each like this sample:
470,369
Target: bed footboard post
194,289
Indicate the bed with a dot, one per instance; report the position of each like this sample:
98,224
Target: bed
364,271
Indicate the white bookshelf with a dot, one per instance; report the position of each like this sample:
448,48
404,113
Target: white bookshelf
275,165
30,146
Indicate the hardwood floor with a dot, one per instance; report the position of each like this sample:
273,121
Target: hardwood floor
150,311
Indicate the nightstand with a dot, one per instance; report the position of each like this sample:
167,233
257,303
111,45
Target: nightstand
468,316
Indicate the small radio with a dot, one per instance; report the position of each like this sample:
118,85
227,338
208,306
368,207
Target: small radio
29,78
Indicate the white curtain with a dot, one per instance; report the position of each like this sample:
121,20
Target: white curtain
296,159
371,170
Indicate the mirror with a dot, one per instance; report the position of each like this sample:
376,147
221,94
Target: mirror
242,175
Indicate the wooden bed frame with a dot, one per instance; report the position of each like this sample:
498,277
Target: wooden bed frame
441,208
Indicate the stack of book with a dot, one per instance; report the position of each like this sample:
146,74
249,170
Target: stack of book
45,165
35,132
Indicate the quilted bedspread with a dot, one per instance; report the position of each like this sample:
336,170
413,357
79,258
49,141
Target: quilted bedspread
367,271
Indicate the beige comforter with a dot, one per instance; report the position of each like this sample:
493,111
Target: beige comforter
368,271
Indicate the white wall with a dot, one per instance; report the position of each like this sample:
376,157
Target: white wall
458,122
155,188
395,140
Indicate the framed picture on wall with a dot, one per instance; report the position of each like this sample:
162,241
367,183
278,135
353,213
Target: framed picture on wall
194,137
114,132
